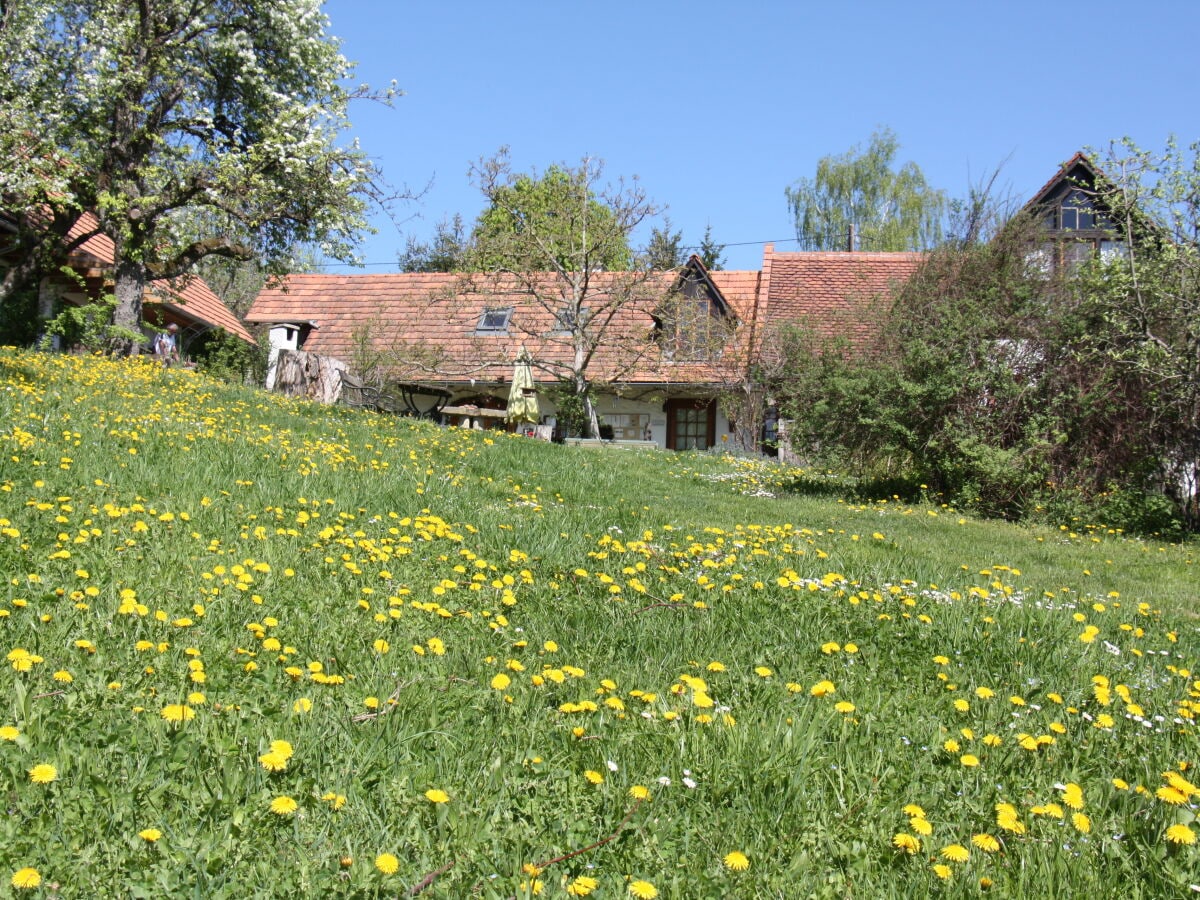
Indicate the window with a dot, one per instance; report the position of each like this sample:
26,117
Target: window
494,321
1110,250
689,330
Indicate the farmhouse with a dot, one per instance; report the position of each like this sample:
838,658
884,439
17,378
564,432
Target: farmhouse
661,348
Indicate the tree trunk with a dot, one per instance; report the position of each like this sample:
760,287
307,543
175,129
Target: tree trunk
593,419
129,288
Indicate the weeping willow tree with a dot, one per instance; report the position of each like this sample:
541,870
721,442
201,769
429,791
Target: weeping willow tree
861,192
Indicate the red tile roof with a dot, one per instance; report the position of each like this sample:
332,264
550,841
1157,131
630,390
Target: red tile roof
186,298
832,294
424,327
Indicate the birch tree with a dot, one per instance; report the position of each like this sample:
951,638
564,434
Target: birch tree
861,193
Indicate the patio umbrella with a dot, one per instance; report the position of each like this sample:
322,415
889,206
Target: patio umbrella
522,397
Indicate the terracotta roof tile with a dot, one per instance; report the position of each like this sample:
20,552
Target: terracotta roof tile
833,294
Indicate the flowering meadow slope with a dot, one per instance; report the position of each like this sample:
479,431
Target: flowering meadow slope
257,648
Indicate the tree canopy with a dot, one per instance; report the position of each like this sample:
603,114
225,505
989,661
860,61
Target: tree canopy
190,128
550,221
887,208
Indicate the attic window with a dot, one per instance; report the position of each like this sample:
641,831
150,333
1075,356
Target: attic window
494,321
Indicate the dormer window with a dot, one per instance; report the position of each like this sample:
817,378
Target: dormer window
494,321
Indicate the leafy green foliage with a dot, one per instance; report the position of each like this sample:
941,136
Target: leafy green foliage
229,358
710,252
549,222
887,208
89,328
447,252
665,249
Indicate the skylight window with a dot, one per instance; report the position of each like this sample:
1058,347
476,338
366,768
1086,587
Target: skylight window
494,321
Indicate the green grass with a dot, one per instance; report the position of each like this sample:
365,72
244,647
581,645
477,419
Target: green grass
165,537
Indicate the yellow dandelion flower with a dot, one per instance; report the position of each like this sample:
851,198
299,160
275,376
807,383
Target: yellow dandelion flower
593,776
844,706
643,890
150,835
1181,834
178,712
500,682
962,705
273,762
985,842
337,801
639,792
302,705
1081,822
284,806
821,688
969,760
9,733
1120,784
434,795
1172,795
736,861
283,748
913,810
956,853
387,863
26,879
582,886
43,773
920,826
906,842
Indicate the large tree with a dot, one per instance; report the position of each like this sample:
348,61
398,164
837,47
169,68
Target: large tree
560,242
860,198
190,127
552,220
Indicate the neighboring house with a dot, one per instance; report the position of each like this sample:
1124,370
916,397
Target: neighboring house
661,362
1075,220
188,302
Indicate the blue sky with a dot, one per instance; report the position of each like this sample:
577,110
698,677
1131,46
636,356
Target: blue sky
718,107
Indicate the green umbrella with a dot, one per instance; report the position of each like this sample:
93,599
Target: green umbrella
522,397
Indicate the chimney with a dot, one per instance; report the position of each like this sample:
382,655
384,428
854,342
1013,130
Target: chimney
851,238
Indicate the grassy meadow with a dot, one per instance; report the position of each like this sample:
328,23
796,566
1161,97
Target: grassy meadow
263,648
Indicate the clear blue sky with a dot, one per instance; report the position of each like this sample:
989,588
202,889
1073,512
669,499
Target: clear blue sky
717,107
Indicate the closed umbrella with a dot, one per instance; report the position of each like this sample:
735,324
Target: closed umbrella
522,396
